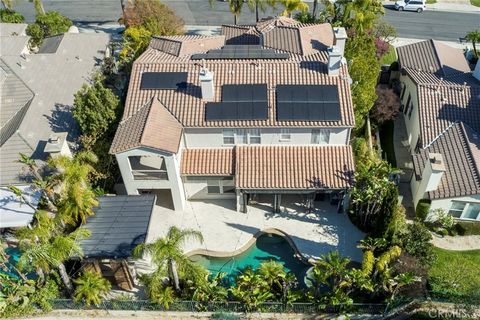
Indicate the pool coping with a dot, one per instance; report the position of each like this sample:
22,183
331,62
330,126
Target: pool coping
249,243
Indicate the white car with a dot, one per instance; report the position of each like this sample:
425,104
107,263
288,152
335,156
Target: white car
410,5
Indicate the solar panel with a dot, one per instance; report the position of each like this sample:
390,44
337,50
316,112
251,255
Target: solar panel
241,52
244,92
233,110
163,80
308,103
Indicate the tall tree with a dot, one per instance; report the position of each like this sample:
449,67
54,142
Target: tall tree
167,254
474,38
260,5
293,5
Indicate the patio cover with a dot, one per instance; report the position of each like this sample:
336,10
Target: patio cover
14,213
120,223
294,167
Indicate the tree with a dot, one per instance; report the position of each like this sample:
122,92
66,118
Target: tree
387,105
10,16
210,290
154,16
167,255
38,4
360,52
251,289
90,287
260,5
95,108
135,42
293,5
474,37
46,25
235,8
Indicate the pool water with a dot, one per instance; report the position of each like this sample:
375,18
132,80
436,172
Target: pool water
13,257
267,247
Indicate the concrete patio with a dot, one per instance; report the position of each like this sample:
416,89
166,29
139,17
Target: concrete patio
226,230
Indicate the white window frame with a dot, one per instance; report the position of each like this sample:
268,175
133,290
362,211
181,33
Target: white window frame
254,134
285,135
317,135
228,134
464,210
221,183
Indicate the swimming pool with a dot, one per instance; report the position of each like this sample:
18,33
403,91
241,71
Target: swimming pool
267,247
13,257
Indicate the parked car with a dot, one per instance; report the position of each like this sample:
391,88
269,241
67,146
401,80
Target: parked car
410,5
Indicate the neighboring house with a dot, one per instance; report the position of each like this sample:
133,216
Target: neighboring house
37,92
441,106
262,109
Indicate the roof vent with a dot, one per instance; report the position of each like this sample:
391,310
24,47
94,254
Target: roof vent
207,85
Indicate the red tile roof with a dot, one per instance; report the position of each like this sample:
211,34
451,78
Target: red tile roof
208,162
294,167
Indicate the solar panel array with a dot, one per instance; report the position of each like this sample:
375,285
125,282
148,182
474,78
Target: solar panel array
241,52
308,103
163,80
239,102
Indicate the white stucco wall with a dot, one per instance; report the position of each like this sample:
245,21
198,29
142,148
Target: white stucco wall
447,203
213,137
174,182
197,190
413,122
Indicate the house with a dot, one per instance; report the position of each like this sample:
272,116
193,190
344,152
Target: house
37,92
441,106
261,110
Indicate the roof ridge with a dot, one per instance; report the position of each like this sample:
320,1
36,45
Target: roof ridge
442,133
149,102
435,50
465,136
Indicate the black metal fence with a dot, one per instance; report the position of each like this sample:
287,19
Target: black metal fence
230,306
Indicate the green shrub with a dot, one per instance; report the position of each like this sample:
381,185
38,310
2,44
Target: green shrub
423,208
416,242
46,25
466,228
10,16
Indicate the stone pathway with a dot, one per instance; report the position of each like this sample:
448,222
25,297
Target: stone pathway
458,243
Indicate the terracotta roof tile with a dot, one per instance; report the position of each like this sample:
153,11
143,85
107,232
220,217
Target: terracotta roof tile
235,34
153,126
294,167
460,148
209,162
186,44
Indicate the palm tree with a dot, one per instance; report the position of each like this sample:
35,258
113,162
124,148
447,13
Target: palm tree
372,244
293,5
257,5
334,267
38,4
474,38
235,8
167,254
42,256
90,287
7,4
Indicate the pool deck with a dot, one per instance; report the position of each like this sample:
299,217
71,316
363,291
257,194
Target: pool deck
225,230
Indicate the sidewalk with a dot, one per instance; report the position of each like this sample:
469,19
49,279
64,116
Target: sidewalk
446,5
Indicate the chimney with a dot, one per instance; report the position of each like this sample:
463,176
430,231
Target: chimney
334,61
476,72
207,85
432,175
57,145
340,39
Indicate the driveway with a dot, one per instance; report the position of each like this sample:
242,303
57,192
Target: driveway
226,230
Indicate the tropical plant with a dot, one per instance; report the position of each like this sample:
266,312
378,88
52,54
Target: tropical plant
10,16
251,289
416,241
90,287
167,255
474,37
38,4
235,8
46,25
293,5
95,107
260,5
210,289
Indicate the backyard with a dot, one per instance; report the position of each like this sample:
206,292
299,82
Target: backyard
455,272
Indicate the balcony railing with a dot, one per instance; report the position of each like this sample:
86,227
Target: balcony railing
150,175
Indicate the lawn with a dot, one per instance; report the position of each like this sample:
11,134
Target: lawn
475,3
389,57
455,272
386,142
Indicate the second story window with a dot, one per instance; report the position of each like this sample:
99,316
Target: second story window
228,136
320,136
285,135
254,136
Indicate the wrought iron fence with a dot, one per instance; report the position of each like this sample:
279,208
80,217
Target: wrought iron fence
230,306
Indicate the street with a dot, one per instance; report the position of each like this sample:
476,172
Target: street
429,24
